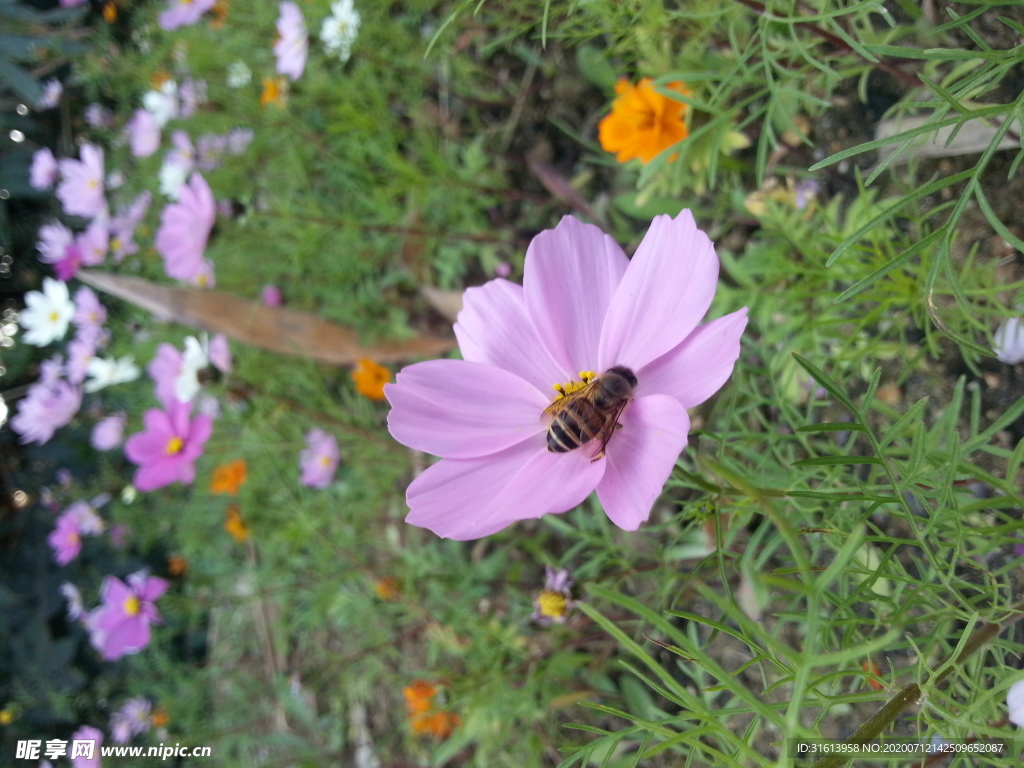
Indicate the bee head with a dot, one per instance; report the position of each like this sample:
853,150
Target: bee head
625,373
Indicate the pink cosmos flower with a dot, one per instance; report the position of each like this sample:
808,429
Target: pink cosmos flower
220,353
583,306
89,757
130,720
46,408
43,173
182,13
166,369
108,432
143,133
120,626
184,229
98,116
68,266
292,45
65,540
89,312
52,90
319,460
93,243
167,450
54,239
81,189
271,296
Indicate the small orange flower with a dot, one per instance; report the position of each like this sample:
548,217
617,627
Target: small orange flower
177,565
159,718
870,667
235,525
158,79
370,378
275,91
218,14
424,718
110,12
419,696
228,478
437,724
643,122
387,589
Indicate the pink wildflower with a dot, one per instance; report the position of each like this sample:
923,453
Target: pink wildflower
184,229
165,369
108,433
65,540
319,460
52,90
81,351
81,189
292,45
583,306
192,93
220,353
98,116
90,758
43,173
167,450
143,133
271,296
69,265
120,626
54,239
93,243
182,13
132,719
88,309
45,409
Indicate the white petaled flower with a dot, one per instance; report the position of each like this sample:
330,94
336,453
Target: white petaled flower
104,372
195,358
162,104
339,30
239,74
1015,703
1008,341
47,314
172,176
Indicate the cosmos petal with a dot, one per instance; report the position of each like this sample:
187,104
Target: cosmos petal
640,457
460,410
698,367
667,289
471,498
114,591
494,327
569,280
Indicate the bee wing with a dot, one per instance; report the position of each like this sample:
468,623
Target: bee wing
583,393
609,429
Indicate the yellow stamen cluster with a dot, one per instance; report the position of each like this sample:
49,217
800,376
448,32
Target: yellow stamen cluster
562,390
552,604
174,445
132,606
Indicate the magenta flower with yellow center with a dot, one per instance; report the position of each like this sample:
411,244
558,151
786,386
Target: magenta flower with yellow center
510,450
120,625
166,451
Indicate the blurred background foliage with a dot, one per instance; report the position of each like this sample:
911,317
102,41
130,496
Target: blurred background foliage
845,517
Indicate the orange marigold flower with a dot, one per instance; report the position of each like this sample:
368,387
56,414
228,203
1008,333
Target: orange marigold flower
436,724
110,12
228,478
643,122
218,14
235,525
419,696
387,589
159,718
176,565
370,378
275,91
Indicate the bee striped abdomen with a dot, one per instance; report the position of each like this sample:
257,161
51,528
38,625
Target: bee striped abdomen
576,424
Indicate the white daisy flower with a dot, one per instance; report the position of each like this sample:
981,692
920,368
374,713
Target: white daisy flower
47,314
239,74
162,104
339,30
104,372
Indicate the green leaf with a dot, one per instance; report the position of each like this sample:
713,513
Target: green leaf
830,386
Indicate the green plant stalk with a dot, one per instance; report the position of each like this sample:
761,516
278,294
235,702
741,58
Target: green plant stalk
887,715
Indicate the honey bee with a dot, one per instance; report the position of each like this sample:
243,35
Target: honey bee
591,412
